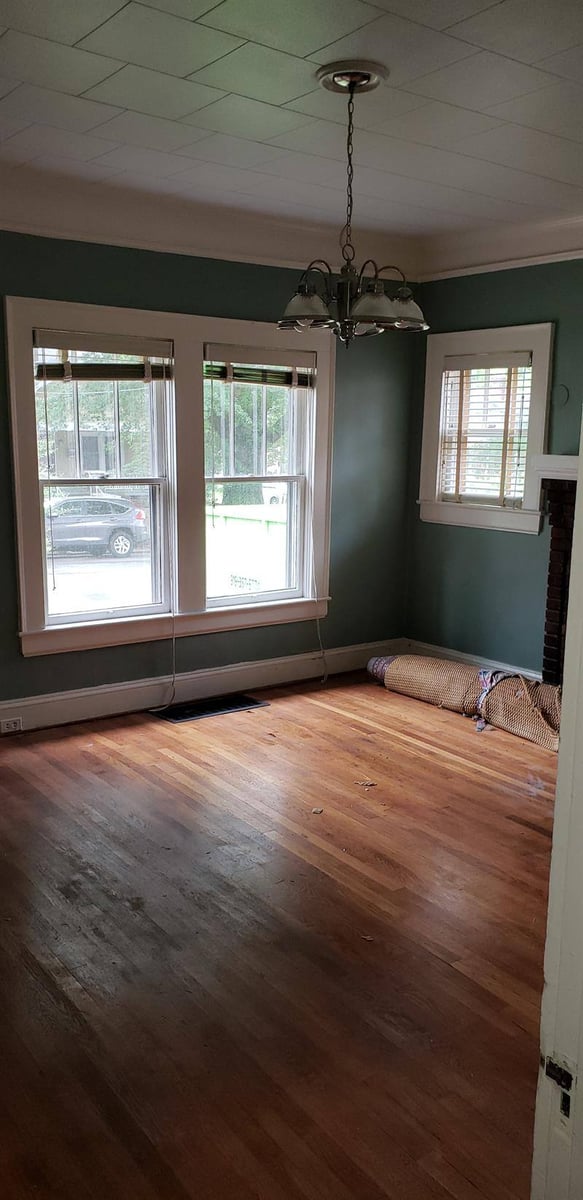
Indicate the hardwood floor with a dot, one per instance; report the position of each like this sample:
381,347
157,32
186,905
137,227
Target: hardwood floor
211,991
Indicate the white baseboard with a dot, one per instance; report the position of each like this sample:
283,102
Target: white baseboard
84,704
473,660
62,708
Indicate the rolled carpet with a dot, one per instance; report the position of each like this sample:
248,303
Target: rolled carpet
525,707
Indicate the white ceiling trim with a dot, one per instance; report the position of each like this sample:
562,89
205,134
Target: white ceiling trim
46,205
504,248
36,202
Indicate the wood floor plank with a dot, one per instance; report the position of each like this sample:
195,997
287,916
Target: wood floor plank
211,990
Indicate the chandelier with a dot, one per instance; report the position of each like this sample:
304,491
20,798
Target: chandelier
349,302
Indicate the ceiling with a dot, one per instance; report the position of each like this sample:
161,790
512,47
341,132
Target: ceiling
479,125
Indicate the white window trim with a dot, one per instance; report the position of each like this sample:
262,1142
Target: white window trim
189,334
537,339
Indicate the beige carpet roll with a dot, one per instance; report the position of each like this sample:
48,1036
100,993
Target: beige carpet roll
529,709
521,706
435,680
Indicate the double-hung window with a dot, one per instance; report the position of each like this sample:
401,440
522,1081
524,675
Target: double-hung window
485,418
172,473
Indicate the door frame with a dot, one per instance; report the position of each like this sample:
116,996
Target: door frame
557,1170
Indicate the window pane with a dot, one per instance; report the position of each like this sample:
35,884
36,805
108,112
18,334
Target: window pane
280,459
484,433
96,415
217,428
250,429
251,538
95,429
102,550
518,433
55,423
137,418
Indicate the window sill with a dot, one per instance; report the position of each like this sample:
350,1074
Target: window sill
59,639
481,516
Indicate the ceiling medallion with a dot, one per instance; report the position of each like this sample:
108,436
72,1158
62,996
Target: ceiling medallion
348,302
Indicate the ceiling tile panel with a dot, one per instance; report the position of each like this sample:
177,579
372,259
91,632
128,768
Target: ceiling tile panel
10,125
440,196
438,124
217,176
153,93
428,164
526,29
479,124
246,118
261,74
44,140
13,152
51,108
298,28
317,137
153,133
60,20
150,162
36,60
398,189
407,49
480,81
568,64
93,172
7,85
189,9
232,151
158,40
529,150
437,15
557,109
370,109
310,168
501,182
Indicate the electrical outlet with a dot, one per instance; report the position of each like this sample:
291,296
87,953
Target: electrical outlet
11,725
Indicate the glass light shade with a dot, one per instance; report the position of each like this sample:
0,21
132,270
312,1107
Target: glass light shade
409,315
306,309
363,330
374,307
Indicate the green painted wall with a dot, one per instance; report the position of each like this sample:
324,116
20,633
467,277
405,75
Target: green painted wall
483,591
369,475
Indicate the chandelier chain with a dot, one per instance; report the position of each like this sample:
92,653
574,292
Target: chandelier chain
348,251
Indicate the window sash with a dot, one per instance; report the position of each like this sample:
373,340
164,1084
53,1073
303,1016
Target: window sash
295,542
299,532
474,444
158,553
157,481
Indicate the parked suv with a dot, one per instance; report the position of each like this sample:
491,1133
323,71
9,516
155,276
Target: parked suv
97,524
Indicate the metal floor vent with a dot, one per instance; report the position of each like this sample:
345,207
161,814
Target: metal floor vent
214,706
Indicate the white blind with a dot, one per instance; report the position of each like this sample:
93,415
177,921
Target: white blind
108,343
485,403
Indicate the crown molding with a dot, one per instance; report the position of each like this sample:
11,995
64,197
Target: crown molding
57,206
505,248
49,204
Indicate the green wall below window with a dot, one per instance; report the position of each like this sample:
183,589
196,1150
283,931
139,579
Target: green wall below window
368,532
475,590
